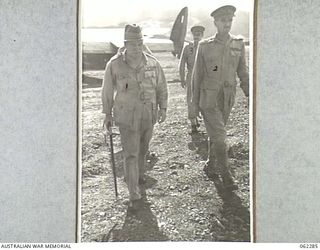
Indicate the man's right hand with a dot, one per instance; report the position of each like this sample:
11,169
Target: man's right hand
183,84
107,123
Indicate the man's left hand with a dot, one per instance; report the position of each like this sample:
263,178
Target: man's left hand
162,115
183,84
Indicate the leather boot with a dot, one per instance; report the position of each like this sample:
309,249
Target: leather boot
197,123
210,167
194,129
222,161
142,180
194,125
228,182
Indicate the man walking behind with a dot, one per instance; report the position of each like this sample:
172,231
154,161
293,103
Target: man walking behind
140,101
187,58
219,59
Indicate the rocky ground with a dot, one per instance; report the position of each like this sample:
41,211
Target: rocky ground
181,203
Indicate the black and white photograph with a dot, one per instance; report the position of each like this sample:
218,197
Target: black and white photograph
165,121
159,123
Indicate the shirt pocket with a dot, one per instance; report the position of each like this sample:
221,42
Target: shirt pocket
124,115
213,67
209,94
124,83
150,76
149,90
149,84
235,54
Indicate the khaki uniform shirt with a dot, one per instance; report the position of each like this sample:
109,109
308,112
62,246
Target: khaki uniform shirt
137,90
214,76
188,56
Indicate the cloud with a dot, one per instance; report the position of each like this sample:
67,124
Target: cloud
107,13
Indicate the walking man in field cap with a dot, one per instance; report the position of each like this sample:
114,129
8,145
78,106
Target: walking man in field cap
140,101
187,58
219,59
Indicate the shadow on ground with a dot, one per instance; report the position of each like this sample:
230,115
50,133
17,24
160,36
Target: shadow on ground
234,218
139,224
199,143
233,222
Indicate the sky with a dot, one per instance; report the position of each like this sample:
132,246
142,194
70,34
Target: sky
113,12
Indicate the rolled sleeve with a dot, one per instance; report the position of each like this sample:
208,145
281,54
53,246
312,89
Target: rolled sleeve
107,90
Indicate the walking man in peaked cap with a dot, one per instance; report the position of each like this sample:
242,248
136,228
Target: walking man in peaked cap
187,58
219,59
140,101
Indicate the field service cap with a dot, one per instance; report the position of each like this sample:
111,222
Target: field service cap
227,10
132,33
197,28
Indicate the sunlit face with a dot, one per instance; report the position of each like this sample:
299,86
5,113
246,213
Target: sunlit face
134,47
197,36
223,24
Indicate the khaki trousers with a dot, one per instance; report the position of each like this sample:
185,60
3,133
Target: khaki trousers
215,126
191,109
135,145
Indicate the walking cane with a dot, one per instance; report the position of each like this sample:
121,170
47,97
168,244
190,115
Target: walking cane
111,134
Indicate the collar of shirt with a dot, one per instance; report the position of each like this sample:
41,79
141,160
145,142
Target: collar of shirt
144,57
218,40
